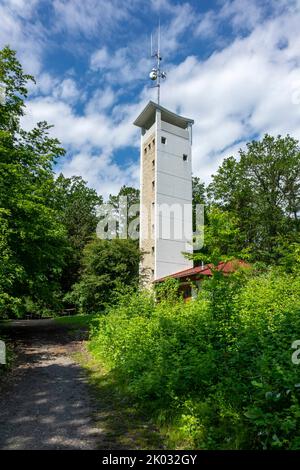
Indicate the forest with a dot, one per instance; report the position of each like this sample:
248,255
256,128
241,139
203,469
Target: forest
214,373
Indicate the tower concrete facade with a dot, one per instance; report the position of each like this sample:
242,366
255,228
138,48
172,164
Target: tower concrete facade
166,192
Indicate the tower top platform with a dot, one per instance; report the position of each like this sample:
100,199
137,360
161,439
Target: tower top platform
147,117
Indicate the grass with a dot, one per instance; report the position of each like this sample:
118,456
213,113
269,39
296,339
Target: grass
123,425
76,321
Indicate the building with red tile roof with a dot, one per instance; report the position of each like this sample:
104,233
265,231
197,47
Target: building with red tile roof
192,277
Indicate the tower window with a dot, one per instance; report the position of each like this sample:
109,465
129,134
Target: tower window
184,157
145,150
163,140
153,163
153,249
153,184
153,141
149,146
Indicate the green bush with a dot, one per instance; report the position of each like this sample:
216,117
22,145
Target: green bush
269,309
217,371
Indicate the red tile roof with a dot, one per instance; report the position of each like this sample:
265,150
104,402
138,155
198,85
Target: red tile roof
206,270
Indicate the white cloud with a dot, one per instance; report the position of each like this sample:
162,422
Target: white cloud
100,59
90,17
23,8
100,100
101,172
94,128
67,90
45,84
160,5
72,129
91,140
244,14
241,16
132,62
207,25
244,89
184,18
113,61
52,88
124,65
14,31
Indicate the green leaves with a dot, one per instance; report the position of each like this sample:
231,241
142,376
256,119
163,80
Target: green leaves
217,369
223,239
262,190
15,81
34,243
107,266
76,203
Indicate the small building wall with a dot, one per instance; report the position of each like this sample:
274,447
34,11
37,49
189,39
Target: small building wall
174,192
147,235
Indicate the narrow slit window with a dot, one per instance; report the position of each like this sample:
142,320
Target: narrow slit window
149,146
153,163
153,184
145,150
163,140
184,157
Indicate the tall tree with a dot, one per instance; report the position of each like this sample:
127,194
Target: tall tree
107,266
126,208
223,239
77,204
262,189
35,239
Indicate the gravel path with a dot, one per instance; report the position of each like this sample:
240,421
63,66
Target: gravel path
45,404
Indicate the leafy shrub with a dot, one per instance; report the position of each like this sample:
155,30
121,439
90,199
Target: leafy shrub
108,266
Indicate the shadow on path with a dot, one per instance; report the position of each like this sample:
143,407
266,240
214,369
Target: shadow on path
46,403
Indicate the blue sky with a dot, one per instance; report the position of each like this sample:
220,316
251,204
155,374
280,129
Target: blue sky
232,66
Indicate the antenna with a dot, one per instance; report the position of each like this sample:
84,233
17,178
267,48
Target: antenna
156,74
158,38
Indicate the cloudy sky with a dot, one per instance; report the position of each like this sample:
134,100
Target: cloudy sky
233,66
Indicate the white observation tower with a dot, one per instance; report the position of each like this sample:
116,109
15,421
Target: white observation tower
165,185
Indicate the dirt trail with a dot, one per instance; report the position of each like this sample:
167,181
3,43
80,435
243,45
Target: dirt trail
46,403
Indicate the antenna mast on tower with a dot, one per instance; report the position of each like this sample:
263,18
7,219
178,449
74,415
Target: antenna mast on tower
156,73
